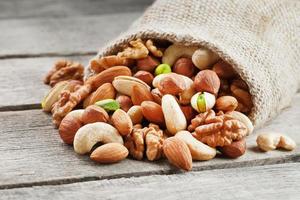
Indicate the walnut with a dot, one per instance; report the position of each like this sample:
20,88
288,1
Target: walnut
100,64
64,70
69,100
137,51
217,130
135,142
154,140
153,49
149,138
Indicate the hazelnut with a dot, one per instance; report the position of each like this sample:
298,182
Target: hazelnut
147,64
207,81
125,102
224,70
226,103
94,114
69,126
188,112
156,95
184,66
235,149
145,76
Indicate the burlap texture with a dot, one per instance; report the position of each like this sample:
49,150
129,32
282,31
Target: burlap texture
260,38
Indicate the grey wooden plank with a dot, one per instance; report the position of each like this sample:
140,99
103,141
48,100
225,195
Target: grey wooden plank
60,36
264,182
22,81
33,154
67,8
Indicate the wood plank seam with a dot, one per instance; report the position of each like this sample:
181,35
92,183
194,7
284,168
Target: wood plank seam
263,162
41,55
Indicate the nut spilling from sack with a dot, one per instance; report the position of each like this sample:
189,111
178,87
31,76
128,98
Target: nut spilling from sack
151,101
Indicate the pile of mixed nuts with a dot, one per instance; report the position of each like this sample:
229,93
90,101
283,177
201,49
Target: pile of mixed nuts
154,100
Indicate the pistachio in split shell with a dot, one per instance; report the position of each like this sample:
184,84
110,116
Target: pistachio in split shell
203,101
204,58
124,84
163,69
122,122
94,114
108,104
53,95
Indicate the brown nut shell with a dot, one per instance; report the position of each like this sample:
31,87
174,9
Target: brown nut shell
207,81
226,103
94,114
235,149
145,76
153,112
147,64
122,122
109,153
184,66
125,102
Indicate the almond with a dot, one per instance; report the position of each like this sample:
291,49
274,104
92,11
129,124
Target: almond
140,94
226,103
105,91
153,112
147,64
122,122
145,76
136,114
107,76
178,153
184,66
235,149
125,102
109,153
207,81
94,114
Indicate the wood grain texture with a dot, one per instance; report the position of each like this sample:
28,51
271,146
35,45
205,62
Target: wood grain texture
22,81
67,8
33,154
264,182
61,36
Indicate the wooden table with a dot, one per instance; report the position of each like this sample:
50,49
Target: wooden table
35,164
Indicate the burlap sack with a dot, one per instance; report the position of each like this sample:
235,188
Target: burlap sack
260,38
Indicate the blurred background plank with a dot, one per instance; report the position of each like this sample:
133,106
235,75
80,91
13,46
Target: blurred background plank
264,182
67,8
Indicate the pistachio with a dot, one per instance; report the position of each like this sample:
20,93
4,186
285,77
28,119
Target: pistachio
124,84
162,69
203,102
108,104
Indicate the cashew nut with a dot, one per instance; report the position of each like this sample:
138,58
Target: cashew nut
89,135
176,51
174,117
271,141
203,58
198,150
243,118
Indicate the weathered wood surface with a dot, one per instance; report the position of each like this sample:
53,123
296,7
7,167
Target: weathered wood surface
61,36
264,182
33,154
22,81
67,8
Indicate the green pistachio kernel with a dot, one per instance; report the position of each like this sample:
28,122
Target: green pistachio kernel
201,104
108,104
163,69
